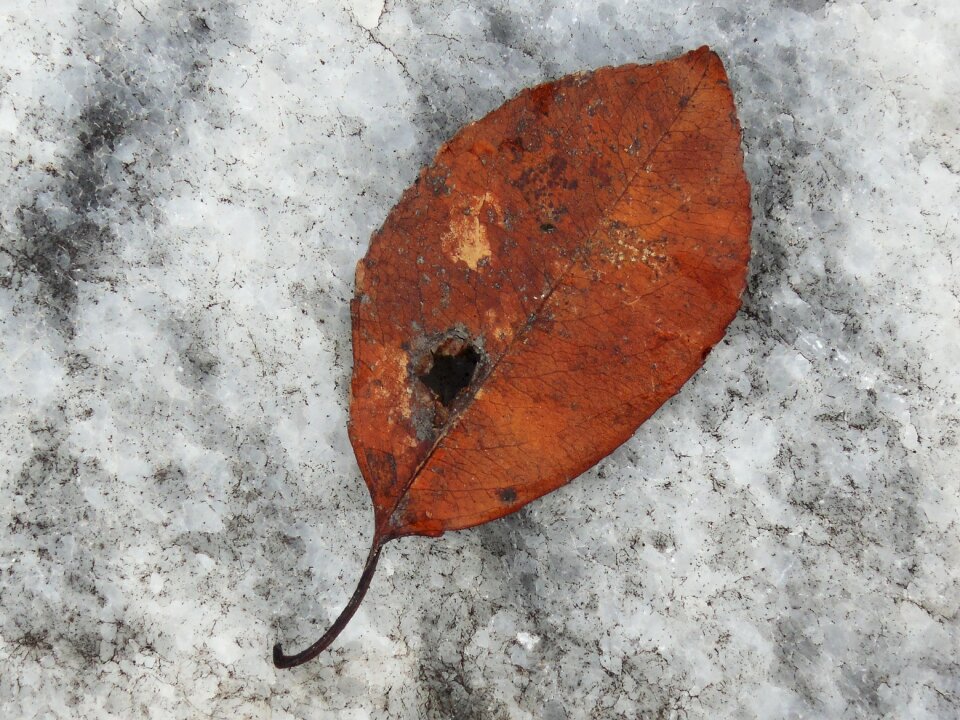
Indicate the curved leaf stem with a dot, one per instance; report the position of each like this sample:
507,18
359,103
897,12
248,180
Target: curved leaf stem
289,661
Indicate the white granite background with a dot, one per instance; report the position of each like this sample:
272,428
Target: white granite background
186,190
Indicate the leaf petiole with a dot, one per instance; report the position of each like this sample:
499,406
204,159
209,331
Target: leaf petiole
283,661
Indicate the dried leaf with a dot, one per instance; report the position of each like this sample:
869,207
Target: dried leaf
558,272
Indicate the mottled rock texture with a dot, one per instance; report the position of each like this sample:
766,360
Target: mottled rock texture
186,191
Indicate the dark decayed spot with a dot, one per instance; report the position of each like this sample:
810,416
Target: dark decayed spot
508,495
450,374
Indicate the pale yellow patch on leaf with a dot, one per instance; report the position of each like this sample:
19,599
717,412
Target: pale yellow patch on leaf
466,240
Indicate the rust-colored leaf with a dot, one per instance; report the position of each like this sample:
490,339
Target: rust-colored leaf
558,272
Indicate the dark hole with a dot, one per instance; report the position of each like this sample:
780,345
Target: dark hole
451,373
548,227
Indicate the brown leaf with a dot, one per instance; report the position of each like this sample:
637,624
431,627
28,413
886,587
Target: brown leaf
558,272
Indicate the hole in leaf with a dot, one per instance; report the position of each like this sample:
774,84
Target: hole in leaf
451,373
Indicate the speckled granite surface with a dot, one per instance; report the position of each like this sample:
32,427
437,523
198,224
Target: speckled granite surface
186,191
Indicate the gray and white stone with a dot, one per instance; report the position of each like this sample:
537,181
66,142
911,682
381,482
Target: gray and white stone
186,190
